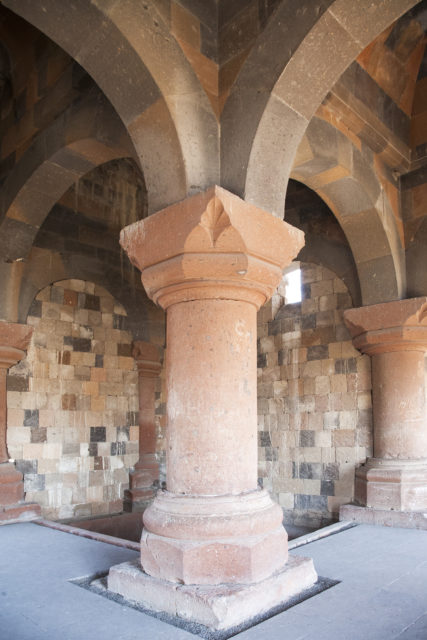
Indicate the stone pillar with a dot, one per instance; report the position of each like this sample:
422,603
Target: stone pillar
394,334
144,479
14,339
211,262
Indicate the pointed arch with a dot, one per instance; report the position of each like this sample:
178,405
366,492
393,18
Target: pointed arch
297,59
126,47
328,163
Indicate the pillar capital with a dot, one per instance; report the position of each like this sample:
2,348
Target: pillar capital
392,326
14,340
211,246
147,359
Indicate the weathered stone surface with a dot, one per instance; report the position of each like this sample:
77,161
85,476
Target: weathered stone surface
384,517
218,607
205,261
378,280
397,485
314,408
217,224
73,430
16,336
14,339
210,540
283,58
20,512
11,485
145,477
366,20
395,336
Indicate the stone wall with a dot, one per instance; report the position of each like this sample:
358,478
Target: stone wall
73,403
79,239
314,405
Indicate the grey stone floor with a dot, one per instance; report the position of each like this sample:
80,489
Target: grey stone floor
382,594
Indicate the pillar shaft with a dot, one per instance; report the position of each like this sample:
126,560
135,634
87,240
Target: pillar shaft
14,339
147,426
394,334
143,481
211,409
399,405
9,356
211,262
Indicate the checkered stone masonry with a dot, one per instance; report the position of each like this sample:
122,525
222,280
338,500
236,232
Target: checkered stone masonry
314,400
73,403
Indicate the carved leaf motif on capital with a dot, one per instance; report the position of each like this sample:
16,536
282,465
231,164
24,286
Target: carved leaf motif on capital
215,219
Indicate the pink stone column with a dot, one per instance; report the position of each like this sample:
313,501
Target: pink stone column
211,262
14,340
144,479
394,334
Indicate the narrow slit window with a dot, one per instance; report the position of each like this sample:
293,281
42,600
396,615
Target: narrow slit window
292,281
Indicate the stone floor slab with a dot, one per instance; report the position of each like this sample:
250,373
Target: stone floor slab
381,596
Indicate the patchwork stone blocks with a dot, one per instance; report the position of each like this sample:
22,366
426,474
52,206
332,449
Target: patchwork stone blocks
72,408
314,406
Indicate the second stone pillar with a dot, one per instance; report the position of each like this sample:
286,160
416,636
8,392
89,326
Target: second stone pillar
394,334
144,480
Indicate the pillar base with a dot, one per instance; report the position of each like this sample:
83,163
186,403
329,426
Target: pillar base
19,512
398,485
218,607
12,505
137,500
11,484
143,484
383,517
209,540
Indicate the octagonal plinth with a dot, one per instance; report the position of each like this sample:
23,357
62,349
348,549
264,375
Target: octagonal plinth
211,261
399,485
11,485
213,539
395,336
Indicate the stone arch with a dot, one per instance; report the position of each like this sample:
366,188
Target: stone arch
86,136
79,239
127,49
328,163
326,244
291,68
82,138
145,321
